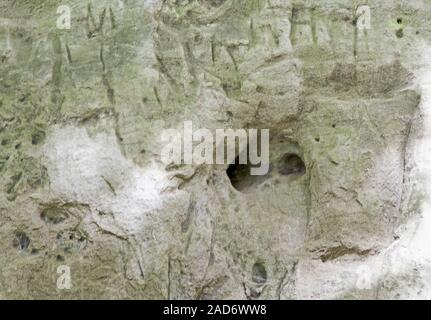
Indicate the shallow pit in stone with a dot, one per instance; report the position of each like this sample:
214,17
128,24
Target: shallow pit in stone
291,164
259,274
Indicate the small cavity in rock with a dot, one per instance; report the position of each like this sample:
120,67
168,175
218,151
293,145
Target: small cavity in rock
291,164
21,241
240,177
259,274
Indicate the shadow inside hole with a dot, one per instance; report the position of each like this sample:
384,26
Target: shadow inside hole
399,33
259,274
21,241
291,164
241,178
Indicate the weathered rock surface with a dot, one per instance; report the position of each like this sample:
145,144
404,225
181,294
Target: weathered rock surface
343,212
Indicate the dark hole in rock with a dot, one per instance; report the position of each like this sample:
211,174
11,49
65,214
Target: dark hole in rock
37,137
258,274
399,20
291,164
240,177
60,258
54,215
21,241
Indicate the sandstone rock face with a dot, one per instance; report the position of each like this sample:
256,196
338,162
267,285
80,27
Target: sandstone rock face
342,214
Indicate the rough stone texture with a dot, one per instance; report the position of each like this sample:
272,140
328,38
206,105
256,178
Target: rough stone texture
343,213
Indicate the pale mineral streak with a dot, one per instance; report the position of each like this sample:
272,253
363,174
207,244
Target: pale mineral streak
344,212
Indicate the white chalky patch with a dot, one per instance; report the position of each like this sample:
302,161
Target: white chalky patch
83,169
